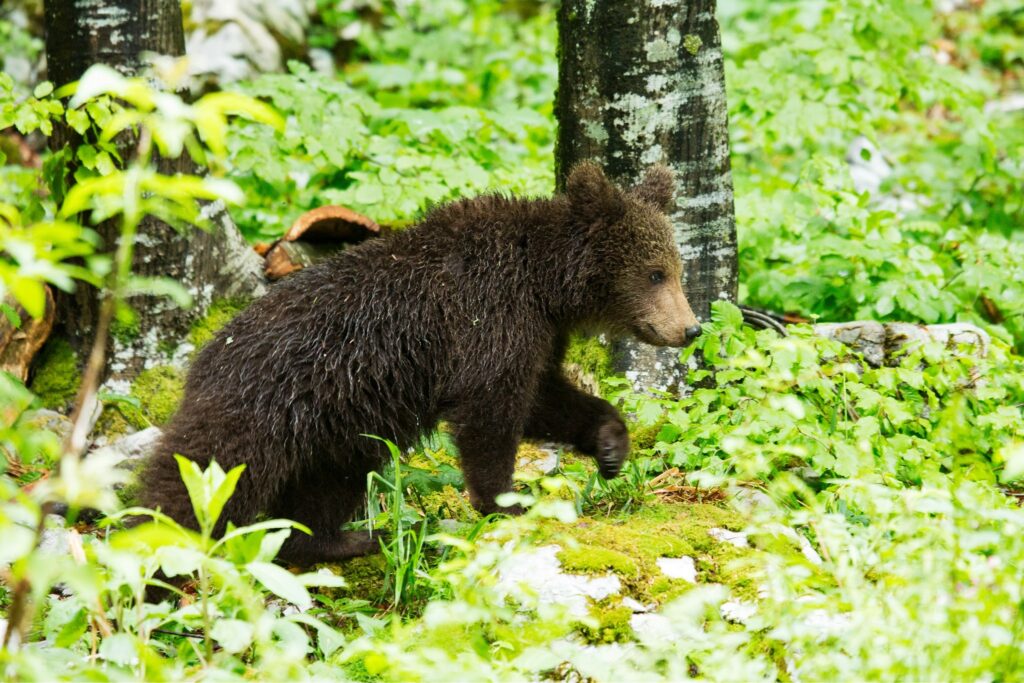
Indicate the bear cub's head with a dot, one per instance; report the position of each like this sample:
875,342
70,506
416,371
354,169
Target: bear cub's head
632,241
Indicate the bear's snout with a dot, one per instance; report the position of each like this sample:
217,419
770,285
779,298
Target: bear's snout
670,320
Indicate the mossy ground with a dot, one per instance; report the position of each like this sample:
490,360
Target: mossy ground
627,545
57,377
612,623
631,545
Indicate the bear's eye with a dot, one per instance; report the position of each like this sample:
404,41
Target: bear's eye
657,277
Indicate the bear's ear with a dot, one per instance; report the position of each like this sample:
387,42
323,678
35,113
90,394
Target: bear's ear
658,187
591,194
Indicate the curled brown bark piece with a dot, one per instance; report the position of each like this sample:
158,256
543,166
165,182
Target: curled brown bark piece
314,235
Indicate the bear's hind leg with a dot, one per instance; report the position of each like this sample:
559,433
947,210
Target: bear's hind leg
487,451
323,500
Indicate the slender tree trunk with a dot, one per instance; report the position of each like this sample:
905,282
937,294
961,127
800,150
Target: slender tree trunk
640,83
81,33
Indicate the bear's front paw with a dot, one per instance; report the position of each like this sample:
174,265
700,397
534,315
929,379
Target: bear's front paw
612,447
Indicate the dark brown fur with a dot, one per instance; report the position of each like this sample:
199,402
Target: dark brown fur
463,318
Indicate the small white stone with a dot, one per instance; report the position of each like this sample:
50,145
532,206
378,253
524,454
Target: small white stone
652,628
545,462
678,568
55,536
738,610
541,571
736,538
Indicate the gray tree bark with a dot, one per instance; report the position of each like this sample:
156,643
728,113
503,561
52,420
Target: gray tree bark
640,83
215,263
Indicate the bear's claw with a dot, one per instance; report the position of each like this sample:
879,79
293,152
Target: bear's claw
612,447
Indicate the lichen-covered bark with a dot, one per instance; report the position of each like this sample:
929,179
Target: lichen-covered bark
641,83
81,33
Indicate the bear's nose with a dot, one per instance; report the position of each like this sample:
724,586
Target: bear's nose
692,332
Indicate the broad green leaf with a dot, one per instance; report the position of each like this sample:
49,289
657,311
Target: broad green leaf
234,635
281,582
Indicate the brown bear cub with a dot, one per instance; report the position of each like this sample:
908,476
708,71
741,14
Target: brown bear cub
463,318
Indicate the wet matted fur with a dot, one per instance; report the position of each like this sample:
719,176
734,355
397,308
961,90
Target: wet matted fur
463,317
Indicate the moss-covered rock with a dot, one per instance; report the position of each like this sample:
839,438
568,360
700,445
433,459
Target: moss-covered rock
644,437
57,376
157,391
587,361
590,355
217,316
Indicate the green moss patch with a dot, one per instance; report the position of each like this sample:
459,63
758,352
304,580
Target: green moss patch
630,547
589,355
449,503
217,316
156,392
57,375
124,328
159,390
644,437
592,559
365,578
612,623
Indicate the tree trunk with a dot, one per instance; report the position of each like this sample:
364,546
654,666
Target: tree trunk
640,83
215,263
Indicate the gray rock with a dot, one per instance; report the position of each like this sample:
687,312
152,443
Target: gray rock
652,628
545,461
881,342
738,610
866,336
636,606
903,335
131,449
55,536
51,421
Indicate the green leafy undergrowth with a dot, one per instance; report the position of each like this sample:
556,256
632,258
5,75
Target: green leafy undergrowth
455,99
936,237
809,404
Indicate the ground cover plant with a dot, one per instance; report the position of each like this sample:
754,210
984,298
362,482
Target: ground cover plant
801,515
